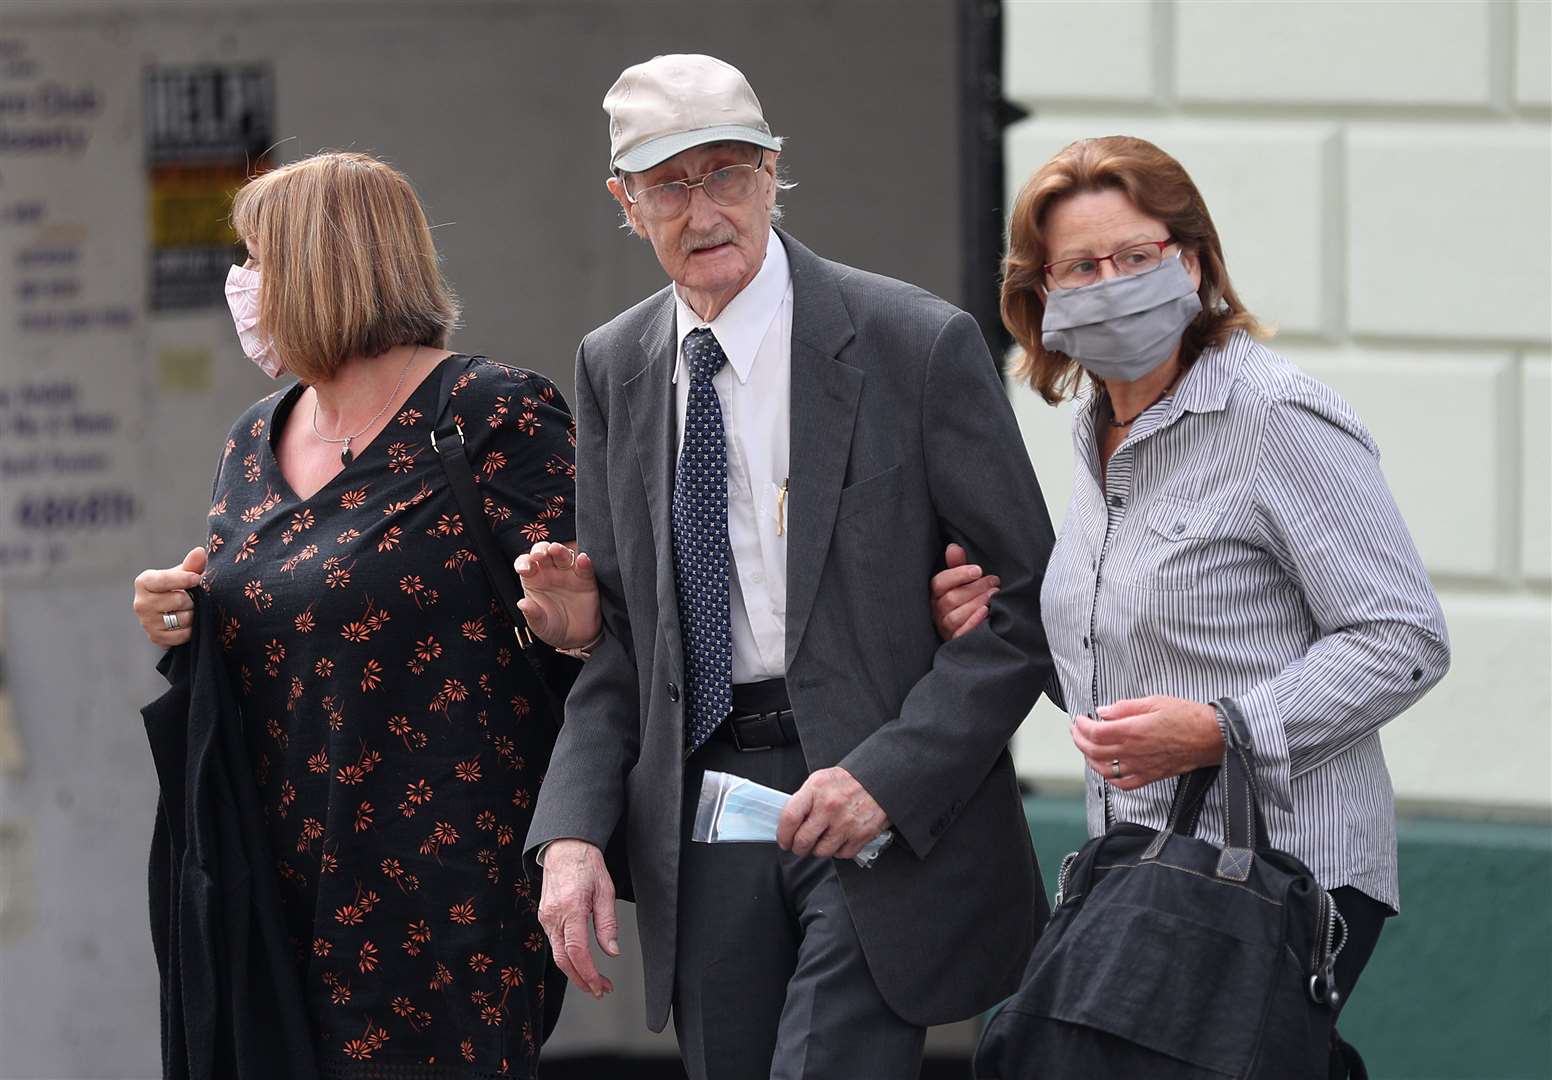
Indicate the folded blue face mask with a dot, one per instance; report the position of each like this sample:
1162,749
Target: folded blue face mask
1125,327
733,810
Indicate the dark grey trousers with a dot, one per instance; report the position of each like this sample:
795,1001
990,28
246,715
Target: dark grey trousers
770,978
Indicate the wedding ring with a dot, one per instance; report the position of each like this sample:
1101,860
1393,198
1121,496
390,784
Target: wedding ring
1115,768
170,621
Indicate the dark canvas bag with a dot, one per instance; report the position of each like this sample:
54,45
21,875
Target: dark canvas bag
1169,957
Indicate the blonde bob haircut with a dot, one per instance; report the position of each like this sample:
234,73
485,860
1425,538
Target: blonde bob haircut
1157,186
347,266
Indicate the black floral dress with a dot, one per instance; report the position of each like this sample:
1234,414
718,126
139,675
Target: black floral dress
393,725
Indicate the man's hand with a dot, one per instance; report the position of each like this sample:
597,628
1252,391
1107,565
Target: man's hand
831,817
560,595
576,886
961,595
1153,738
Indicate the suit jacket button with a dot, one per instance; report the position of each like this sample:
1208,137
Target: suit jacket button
673,691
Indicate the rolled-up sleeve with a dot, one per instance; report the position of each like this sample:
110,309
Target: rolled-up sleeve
1378,636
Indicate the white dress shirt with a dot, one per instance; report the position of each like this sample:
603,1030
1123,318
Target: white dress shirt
754,389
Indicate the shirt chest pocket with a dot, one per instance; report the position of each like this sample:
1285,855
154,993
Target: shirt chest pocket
1174,548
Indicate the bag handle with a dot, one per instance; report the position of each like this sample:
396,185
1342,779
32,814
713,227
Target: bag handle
448,443
1243,833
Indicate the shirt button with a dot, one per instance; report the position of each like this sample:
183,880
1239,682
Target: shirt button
1179,528
1117,501
757,578
1085,643
1417,674
673,691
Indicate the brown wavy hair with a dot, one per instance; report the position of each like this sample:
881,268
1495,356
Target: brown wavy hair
347,267
1159,187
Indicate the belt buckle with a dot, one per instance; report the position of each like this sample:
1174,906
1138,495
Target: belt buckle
738,742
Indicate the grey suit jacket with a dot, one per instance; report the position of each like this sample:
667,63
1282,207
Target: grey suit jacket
902,439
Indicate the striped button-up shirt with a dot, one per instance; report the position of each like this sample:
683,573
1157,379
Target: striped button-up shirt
1242,542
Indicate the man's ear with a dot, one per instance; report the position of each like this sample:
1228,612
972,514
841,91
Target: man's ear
616,188
770,170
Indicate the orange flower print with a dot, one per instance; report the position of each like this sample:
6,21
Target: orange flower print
327,863
251,470
535,531
401,457
339,577
494,462
485,821
371,676
418,793
497,512
442,835
322,947
231,444
441,978
520,707
559,466
349,536
535,942
355,632
428,650
370,1042
214,544
363,817
274,653
306,621
319,762
462,914
491,1015
458,560
349,915
255,429
468,771
466,1048
528,423
308,552
504,835
353,499
416,937
408,417
229,628
479,963
245,551
447,525
324,667
366,959
254,591
511,978
312,829
503,656
474,629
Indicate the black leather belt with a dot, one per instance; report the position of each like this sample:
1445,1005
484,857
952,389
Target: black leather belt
761,718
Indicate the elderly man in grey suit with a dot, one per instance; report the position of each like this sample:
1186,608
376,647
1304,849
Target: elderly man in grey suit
771,455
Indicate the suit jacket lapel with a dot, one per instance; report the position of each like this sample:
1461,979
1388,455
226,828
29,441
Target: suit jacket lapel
650,394
825,395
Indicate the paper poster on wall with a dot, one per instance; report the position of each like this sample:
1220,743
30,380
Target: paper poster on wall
72,293
208,128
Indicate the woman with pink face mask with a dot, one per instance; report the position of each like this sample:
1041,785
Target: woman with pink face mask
396,736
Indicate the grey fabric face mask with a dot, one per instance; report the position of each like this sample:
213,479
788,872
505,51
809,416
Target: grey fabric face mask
1125,327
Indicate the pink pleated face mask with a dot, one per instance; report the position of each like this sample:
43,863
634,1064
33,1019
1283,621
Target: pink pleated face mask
242,296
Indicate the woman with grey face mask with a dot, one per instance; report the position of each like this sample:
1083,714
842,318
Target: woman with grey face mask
1230,534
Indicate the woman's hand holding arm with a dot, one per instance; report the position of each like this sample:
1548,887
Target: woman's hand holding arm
560,595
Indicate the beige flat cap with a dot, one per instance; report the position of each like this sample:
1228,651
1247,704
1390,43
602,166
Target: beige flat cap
672,103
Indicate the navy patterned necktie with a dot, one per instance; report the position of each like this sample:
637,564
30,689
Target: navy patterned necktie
701,552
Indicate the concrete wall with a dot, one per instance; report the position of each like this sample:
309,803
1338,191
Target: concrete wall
492,108
1380,174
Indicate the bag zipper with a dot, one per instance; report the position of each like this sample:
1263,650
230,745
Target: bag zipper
1061,877
1322,984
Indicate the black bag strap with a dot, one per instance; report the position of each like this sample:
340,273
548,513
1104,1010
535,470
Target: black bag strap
448,443
1243,832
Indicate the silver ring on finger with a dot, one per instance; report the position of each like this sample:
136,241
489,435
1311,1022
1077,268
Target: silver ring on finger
170,621
1115,768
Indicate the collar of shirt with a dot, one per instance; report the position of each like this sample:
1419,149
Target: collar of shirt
1204,389
742,325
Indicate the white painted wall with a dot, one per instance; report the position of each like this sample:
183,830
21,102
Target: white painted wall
1381,175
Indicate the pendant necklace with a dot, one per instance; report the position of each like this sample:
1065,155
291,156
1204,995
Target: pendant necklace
1113,422
346,456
